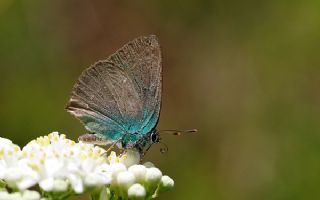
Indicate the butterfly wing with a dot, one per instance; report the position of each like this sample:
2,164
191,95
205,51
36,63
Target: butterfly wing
141,59
121,94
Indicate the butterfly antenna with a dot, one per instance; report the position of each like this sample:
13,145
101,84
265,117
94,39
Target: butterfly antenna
164,149
178,132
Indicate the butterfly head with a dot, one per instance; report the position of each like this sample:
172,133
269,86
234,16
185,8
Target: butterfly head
154,137
144,142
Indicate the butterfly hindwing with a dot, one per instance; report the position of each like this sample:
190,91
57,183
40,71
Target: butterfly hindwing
141,58
121,94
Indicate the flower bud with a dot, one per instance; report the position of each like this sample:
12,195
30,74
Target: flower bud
136,191
131,157
139,172
116,168
125,179
4,195
166,183
153,175
148,164
46,184
30,195
14,196
60,185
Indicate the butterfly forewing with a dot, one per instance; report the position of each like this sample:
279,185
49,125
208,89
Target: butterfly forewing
121,94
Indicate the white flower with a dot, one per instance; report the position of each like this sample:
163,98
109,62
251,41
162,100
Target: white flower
47,184
94,179
30,195
15,196
136,191
115,169
139,171
130,158
12,175
148,164
9,156
56,165
166,183
76,183
104,172
13,168
24,195
125,179
113,158
60,185
4,195
153,175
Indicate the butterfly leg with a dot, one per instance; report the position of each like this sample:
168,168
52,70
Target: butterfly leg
122,152
110,148
145,151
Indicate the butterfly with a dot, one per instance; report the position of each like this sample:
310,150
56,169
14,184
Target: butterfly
119,99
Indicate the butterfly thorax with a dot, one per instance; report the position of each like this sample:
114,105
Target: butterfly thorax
140,142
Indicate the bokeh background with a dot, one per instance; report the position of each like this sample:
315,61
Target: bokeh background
245,73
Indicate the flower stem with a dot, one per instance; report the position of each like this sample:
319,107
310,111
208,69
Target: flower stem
57,195
100,194
2,184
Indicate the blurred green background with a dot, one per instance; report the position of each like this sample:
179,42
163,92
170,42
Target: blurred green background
245,73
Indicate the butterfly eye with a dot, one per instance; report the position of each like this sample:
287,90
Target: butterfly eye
155,137
149,43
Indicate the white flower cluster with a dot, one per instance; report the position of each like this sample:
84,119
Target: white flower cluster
24,195
59,165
